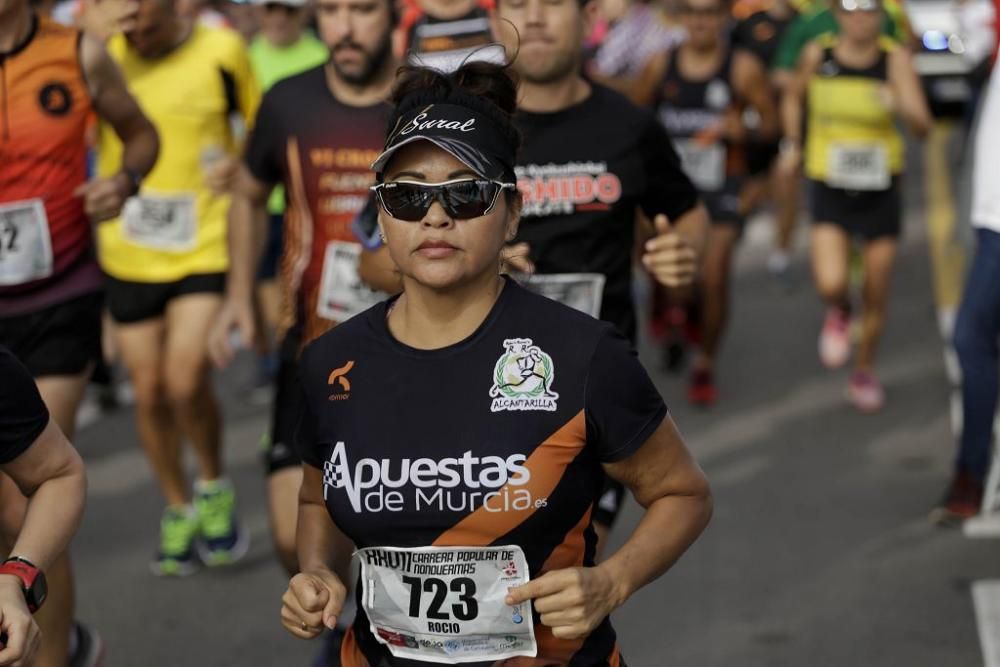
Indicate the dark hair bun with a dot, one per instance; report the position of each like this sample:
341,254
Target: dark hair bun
485,87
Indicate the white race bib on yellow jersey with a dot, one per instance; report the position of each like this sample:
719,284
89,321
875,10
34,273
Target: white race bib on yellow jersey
854,166
161,222
446,604
25,243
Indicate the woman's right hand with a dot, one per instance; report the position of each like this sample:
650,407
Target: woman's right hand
21,633
313,601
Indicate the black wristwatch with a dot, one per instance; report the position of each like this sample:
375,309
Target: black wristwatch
32,581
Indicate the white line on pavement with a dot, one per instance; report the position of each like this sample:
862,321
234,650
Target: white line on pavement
986,599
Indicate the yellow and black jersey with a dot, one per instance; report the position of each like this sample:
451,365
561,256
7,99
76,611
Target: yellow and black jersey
198,96
495,440
846,109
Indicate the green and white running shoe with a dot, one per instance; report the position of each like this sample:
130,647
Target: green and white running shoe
223,541
178,532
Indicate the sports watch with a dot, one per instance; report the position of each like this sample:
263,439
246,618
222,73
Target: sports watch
32,581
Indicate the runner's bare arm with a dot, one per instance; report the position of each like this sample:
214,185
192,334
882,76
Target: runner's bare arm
909,93
114,104
247,234
665,479
316,595
792,105
643,89
750,81
50,474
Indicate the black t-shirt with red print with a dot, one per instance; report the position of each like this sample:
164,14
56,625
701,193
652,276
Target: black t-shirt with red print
496,440
585,172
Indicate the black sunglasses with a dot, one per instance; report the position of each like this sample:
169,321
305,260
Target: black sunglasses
461,199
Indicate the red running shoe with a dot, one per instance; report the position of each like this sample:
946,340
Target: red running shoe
701,388
962,501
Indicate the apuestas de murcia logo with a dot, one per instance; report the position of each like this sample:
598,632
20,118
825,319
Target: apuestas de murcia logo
462,484
522,378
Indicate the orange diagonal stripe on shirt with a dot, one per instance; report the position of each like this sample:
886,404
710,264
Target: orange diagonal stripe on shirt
350,652
547,464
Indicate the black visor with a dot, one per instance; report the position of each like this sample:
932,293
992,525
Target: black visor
471,137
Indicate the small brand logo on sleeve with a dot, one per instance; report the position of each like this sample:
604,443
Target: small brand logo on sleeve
339,381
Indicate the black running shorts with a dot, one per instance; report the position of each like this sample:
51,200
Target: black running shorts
724,205
867,215
63,339
281,453
131,302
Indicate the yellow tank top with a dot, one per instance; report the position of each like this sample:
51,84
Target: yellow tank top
200,97
849,131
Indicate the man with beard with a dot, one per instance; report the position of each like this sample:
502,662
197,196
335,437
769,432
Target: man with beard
166,261
317,134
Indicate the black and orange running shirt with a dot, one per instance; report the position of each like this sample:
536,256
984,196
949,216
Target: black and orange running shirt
496,440
321,150
46,251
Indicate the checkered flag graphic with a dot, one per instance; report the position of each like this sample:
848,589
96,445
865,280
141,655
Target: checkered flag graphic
332,475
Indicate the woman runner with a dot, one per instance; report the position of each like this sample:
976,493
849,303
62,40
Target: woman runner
467,484
855,86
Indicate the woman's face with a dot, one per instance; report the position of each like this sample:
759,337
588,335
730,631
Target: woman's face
860,25
438,251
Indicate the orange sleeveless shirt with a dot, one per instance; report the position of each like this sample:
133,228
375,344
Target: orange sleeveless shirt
44,111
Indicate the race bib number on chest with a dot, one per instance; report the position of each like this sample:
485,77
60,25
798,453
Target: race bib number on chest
342,294
582,291
446,604
25,244
161,222
859,167
705,165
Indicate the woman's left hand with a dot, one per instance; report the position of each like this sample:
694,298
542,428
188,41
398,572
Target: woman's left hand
573,601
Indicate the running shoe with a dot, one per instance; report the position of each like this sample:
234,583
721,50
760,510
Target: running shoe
223,541
87,648
962,501
329,655
701,389
178,532
865,392
834,339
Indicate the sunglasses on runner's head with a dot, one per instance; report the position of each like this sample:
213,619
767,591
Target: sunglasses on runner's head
462,199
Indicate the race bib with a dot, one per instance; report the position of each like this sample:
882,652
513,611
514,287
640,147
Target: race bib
859,167
446,604
582,291
161,222
25,244
342,294
704,165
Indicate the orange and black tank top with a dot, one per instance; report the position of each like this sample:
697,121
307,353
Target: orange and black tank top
44,110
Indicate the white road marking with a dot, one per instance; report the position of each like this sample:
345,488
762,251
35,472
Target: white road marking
986,599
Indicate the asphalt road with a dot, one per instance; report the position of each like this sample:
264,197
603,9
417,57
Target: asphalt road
819,553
